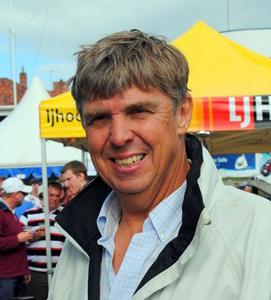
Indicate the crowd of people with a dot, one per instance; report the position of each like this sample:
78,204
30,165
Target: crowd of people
23,258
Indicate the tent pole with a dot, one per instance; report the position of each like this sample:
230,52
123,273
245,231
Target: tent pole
84,158
46,211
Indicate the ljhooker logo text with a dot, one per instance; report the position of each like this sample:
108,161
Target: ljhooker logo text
260,107
53,116
241,112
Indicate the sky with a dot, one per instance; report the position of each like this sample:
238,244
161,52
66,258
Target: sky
49,32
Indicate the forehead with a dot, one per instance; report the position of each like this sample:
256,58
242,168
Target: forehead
128,98
67,174
52,189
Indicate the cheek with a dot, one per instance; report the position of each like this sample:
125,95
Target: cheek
72,183
96,140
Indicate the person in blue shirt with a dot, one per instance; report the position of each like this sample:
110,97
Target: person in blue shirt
30,200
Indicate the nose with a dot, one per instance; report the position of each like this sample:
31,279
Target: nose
120,131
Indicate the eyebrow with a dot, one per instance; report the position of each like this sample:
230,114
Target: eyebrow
146,105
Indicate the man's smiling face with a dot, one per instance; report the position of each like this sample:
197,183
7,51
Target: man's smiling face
133,139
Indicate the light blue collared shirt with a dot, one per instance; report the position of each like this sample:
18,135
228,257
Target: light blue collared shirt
159,229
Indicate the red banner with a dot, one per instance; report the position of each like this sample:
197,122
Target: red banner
231,113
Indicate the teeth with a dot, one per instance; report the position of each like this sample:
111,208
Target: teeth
130,160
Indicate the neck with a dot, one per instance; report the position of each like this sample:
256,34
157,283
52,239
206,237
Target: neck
83,184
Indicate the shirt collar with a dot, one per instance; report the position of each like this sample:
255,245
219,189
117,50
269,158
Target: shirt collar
164,218
109,214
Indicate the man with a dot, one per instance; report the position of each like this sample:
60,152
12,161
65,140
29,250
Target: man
33,196
36,249
74,178
30,200
158,222
14,272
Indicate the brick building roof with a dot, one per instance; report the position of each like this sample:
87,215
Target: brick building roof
6,89
59,87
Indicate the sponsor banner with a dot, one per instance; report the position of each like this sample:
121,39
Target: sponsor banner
245,165
60,119
264,162
235,162
231,113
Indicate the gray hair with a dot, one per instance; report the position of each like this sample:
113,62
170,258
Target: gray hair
125,59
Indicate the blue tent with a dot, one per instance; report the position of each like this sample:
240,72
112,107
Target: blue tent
29,172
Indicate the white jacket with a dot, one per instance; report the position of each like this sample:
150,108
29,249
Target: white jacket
227,258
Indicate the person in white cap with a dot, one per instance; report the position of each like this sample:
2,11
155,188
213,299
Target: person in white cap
14,271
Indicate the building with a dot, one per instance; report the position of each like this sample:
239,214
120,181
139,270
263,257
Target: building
6,89
6,92
59,87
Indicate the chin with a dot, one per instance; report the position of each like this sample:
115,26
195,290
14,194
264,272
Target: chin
130,188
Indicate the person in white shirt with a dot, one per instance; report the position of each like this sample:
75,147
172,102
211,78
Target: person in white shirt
33,196
30,200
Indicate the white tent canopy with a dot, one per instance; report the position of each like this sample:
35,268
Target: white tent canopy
19,135
21,147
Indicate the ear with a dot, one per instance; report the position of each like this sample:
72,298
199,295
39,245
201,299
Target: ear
184,115
81,175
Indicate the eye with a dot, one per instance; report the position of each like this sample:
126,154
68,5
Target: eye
139,110
95,119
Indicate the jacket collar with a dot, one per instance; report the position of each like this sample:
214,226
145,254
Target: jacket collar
78,218
192,208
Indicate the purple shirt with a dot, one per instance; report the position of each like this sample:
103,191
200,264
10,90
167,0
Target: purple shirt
13,259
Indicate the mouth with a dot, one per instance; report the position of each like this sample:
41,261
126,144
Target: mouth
129,161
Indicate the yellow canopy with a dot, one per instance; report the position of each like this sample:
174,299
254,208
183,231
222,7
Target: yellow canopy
226,82
59,118
221,67
60,121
